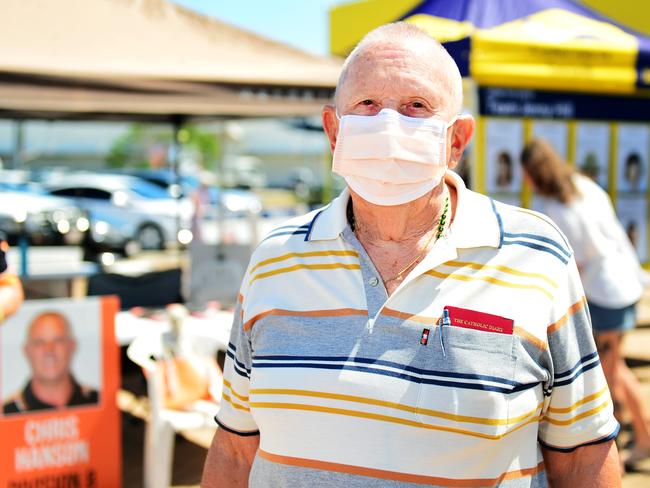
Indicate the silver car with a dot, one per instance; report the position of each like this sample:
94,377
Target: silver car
44,219
125,209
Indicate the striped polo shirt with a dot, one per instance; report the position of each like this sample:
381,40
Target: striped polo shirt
482,355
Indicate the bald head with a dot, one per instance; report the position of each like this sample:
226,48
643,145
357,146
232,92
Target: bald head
49,348
416,48
49,320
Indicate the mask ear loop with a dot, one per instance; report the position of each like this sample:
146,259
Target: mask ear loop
453,120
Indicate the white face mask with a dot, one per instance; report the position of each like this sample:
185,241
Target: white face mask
389,158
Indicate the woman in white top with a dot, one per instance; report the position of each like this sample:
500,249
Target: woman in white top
609,268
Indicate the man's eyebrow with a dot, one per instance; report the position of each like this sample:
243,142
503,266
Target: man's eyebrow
60,336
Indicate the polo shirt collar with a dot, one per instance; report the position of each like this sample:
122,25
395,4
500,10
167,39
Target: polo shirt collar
330,222
476,222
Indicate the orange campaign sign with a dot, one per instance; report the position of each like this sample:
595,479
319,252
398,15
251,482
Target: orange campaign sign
59,376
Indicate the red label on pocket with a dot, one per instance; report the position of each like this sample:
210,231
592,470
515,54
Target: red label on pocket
471,319
425,337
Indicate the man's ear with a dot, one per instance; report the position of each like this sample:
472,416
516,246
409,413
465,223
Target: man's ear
330,124
462,131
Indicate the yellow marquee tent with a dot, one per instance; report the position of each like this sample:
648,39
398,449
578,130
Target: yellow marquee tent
544,44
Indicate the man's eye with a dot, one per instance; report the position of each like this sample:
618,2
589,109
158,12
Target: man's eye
417,105
367,102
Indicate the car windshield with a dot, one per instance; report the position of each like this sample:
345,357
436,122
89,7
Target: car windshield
147,190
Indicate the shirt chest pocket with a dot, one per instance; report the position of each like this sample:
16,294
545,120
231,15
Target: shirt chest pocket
465,389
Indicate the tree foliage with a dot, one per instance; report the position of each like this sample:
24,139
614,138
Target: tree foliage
142,143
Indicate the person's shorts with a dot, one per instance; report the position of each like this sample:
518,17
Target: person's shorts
612,319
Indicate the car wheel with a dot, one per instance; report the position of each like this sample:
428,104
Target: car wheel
150,238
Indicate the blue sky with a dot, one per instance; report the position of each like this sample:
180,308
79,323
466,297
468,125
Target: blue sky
300,23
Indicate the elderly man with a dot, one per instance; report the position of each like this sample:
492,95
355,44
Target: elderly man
412,332
49,349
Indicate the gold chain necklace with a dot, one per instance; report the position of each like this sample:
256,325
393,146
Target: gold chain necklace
441,228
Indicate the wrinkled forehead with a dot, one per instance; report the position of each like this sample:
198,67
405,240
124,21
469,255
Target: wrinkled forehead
423,69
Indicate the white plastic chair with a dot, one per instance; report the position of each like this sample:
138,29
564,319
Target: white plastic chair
163,423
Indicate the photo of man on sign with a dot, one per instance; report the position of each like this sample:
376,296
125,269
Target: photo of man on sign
49,347
59,375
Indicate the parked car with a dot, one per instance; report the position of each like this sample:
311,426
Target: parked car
235,202
125,209
45,219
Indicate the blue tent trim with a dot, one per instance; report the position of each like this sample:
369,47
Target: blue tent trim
459,50
485,14
643,63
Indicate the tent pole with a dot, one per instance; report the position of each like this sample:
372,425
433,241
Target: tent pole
177,125
19,145
16,163
221,214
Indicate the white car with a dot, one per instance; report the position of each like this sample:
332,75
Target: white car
45,219
125,209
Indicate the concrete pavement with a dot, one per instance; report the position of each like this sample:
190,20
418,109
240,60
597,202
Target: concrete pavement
637,352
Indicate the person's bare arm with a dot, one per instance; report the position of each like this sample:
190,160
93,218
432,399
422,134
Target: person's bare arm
11,295
229,460
594,466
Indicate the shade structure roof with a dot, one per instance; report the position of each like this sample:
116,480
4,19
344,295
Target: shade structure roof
543,44
148,59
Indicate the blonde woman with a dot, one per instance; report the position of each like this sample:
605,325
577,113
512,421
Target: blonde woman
609,269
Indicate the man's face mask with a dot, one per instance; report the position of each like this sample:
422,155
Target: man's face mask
389,158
